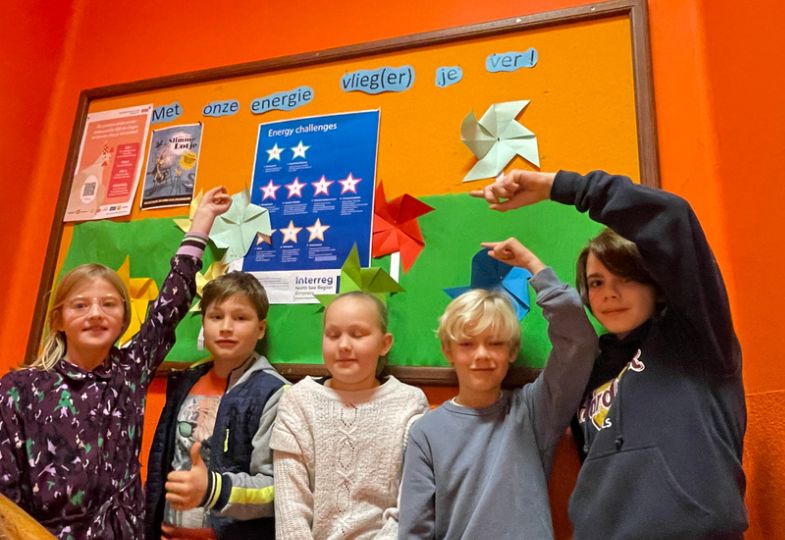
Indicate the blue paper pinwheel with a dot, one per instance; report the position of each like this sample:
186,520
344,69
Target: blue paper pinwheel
488,273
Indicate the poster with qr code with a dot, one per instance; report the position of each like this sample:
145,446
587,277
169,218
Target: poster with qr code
109,164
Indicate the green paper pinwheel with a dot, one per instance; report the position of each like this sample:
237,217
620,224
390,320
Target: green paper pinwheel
375,281
236,229
497,138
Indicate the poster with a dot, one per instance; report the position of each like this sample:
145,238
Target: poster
316,177
109,164
170,174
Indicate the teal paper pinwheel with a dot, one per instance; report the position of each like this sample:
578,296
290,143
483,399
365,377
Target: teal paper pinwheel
236,229
375,281
497,138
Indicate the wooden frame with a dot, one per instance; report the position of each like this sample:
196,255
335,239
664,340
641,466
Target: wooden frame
635,10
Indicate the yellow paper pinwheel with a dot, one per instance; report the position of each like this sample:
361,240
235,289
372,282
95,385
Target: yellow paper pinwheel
185,224
216,269
141,292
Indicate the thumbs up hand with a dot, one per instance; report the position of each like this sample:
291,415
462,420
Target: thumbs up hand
186,489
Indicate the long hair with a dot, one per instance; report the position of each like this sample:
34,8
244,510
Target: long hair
618,255
55,345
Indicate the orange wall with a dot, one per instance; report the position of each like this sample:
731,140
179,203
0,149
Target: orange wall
721,127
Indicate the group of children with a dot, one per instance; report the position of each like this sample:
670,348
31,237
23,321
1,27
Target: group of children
238,453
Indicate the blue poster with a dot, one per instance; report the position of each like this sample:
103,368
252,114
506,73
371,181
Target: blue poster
316,177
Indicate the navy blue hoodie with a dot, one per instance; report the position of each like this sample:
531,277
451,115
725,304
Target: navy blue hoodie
663,419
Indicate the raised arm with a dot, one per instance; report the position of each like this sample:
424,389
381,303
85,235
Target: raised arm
666,231
559,389
157,333
674,249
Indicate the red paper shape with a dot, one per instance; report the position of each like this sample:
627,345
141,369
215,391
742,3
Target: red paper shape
395,227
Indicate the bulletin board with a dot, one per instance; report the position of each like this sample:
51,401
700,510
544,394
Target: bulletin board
590,107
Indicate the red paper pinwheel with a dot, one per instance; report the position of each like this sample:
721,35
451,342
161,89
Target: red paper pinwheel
395,227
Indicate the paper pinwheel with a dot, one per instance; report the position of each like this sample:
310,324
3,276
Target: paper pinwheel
395,227
488,273
185,224
236,229
217,268
355,278
497,138
141,292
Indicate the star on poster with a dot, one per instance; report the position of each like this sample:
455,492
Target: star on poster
274,153
268,191
290,233
349,184
295,188
322,186
317,231
299,150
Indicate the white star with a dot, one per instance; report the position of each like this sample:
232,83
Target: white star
295,188
317,231
274,153
349,184
268,191
290,233
322,186
299,150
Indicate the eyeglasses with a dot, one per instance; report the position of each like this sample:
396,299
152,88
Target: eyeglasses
110,305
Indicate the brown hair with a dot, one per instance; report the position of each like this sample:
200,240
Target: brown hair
55,344
222,287
618,255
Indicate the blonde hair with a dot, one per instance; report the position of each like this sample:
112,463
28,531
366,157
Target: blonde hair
382,316
381,309
473,312
55,345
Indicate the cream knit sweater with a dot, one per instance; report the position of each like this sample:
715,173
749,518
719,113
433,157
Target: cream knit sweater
338,459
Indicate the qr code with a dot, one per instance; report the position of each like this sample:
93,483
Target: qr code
89,189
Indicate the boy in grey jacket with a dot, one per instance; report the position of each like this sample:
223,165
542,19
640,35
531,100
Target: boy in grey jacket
477,467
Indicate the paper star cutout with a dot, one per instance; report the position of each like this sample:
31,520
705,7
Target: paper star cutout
216,269
295,188
317,231
236,229
395,226
372,280
322,186
290,233
299,150
268,191
497,138
185,224
274,153
141,291
349,184
488,273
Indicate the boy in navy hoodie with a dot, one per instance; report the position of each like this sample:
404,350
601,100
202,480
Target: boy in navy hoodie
663,417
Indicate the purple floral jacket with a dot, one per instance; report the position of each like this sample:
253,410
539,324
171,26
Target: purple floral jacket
70,438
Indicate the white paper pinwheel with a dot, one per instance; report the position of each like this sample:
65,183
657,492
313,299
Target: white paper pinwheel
237,228
497,138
